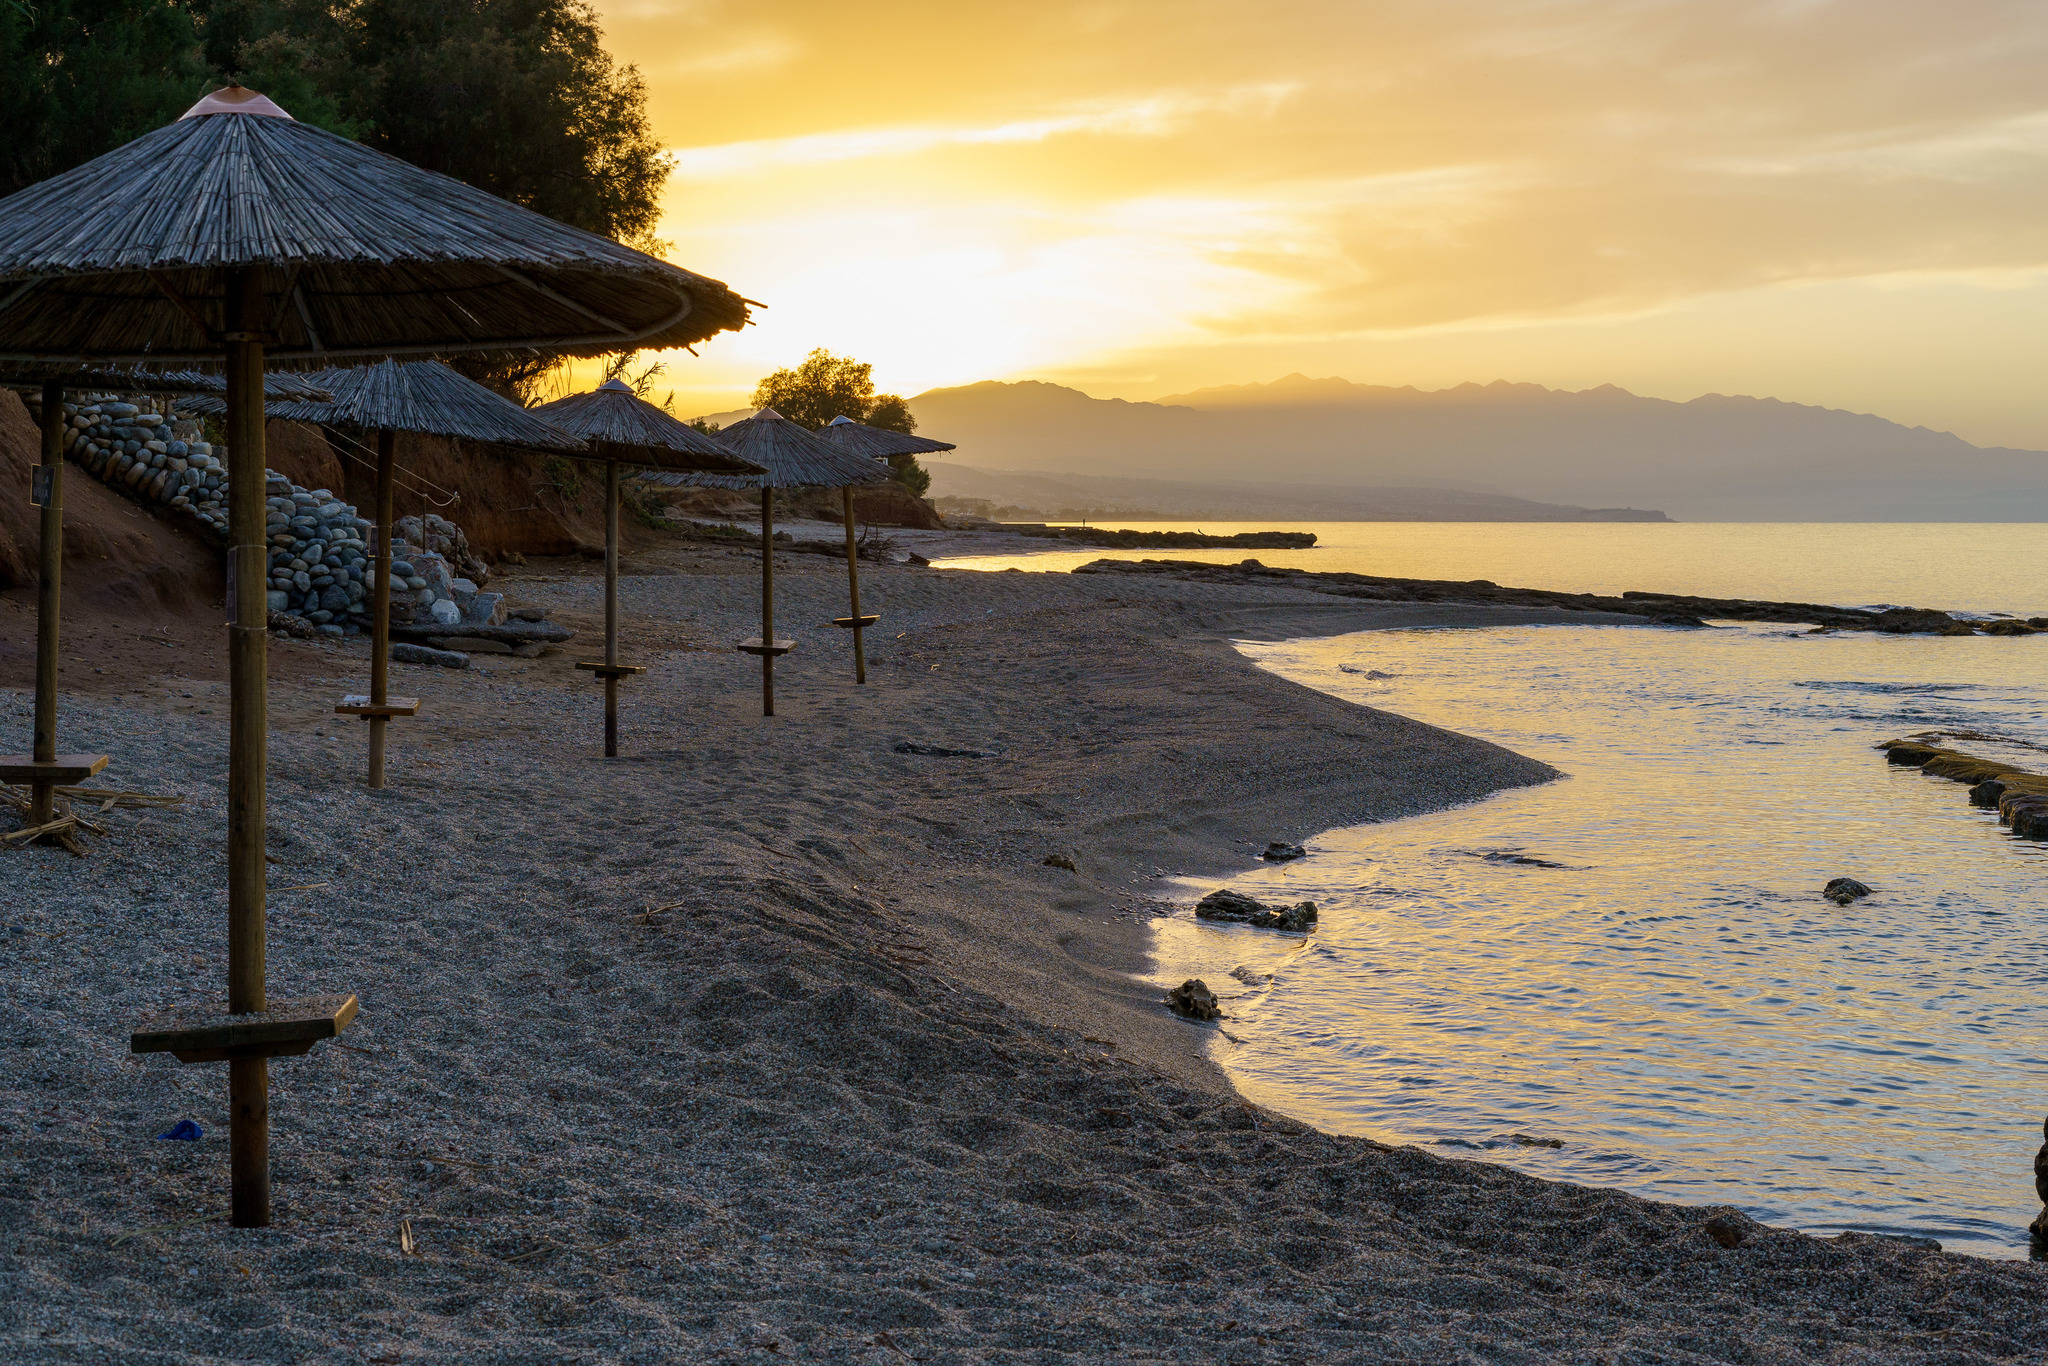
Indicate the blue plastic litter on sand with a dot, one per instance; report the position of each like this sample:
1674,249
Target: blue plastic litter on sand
184,1131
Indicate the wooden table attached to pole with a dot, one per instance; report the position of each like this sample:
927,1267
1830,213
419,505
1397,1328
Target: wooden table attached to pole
254,1028
44,769
380,706
766,645
609,669
855,623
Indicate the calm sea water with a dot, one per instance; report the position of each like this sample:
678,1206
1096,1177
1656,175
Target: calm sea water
1968,567
1663,992
1666,994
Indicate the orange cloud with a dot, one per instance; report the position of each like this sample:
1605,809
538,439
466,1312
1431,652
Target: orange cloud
1147,194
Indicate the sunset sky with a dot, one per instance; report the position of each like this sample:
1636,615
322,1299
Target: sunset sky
1834,203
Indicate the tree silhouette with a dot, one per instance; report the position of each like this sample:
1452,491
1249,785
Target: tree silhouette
826,386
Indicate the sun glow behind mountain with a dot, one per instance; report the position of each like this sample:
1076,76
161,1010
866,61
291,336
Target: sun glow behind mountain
1828,202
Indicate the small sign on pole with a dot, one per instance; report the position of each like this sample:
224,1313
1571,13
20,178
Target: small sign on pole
40,485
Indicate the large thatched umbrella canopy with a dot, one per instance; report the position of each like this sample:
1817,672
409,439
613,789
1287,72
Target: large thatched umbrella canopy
623,427
620,425
237,232
426,397
877,443
358,253
132,379
790,458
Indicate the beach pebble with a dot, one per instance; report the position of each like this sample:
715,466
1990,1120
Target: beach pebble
1280,851
1058,861
445,612
1194,1000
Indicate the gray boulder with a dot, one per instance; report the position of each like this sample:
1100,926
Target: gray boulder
409,653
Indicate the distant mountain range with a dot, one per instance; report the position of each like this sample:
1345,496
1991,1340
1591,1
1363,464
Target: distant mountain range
1321,442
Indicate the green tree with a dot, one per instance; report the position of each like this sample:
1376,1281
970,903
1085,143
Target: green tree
517,97
891,414
81,77
826,386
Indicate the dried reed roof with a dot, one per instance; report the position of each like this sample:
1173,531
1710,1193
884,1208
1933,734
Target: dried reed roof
122,259
875,442
789,456
131,380
620,425
417,396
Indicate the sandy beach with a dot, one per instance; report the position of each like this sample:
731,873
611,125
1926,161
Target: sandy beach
770,1041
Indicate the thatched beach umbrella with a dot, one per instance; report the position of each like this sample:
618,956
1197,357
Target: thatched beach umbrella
857,438
43,768
792,458
237,233
428,398
623,428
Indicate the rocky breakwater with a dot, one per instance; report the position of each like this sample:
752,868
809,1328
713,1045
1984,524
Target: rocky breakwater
2020,797
1127,539
1670,609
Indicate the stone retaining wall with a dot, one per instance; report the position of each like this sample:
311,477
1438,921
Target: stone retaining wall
322,553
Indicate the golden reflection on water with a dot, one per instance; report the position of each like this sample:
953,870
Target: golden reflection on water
1960,568
1675,1002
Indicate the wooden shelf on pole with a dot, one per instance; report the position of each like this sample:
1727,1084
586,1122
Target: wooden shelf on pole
355,704
282,1029
754,645
63,768
856,623
604,670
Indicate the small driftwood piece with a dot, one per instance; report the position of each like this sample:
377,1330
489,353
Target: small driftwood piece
63,830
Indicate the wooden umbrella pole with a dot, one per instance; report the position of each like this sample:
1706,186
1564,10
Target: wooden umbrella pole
49,601
248,1078
611,608
860,658
380,617
768,600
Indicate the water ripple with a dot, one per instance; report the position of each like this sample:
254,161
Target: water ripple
1636,962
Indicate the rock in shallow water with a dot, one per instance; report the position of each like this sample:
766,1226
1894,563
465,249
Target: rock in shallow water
1843,890
1194,1000
1235,908
1280,851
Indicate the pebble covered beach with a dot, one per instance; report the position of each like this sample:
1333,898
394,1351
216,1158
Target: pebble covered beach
777,1040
